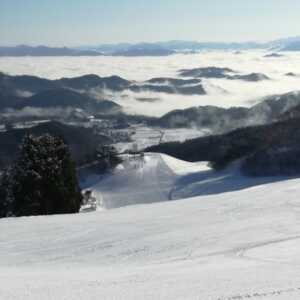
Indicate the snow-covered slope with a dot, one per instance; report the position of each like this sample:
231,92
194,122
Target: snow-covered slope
138,180
237,245
157,177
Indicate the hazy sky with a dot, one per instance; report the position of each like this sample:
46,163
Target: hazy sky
77,22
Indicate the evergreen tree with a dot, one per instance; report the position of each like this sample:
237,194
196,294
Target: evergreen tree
43,179
108,157
5,196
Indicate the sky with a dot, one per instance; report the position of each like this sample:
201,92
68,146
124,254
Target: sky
93,22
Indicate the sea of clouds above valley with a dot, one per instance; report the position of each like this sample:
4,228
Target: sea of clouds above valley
221,92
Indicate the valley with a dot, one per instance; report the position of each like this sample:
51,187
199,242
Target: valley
203,203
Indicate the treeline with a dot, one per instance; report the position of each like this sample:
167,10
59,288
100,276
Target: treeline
266,150
83,142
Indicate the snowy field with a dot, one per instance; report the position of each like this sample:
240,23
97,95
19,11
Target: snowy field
143,136
242,244
221,92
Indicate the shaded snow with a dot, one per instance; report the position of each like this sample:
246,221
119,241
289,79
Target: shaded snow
158,177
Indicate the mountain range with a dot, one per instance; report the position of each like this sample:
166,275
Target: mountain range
92,94
149,49
24,50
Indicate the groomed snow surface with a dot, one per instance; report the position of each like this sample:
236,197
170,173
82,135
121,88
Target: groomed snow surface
236,238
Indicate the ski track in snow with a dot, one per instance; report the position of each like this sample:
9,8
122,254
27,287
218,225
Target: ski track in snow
257,295
239,244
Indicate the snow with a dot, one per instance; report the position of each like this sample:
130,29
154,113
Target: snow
158,177
146,179
241,244
143,136
139,180
182,167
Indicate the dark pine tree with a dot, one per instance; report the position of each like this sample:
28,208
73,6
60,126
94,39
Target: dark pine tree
5,197
43,179
108,158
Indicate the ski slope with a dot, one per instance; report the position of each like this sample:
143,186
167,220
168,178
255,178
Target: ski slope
159,177
240,244
143,179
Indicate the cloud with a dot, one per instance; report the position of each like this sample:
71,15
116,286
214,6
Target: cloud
221,92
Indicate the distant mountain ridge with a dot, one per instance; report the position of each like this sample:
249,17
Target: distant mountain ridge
91,93
44,93
176,46
294,46
186,46
164,48
144,49
26,89
217,119
24,50
286,44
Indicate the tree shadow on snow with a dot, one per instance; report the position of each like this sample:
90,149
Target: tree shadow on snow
216,182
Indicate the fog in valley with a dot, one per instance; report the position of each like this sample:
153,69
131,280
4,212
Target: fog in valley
220,92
